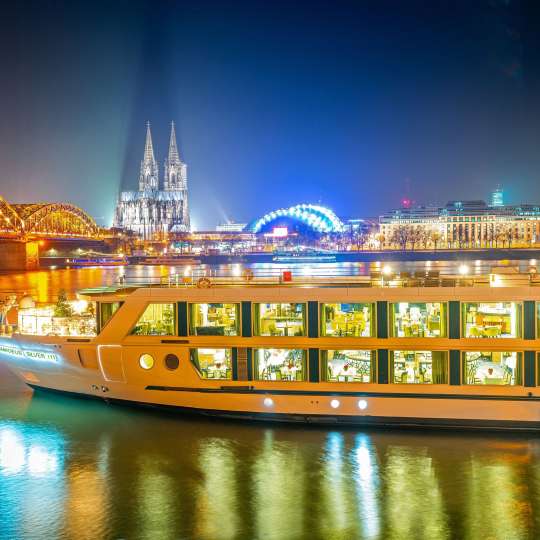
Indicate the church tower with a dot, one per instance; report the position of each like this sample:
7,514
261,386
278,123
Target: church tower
153,212
175,169
149,175
175,178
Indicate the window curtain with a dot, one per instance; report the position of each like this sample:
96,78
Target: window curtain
519,368
439,367
372,374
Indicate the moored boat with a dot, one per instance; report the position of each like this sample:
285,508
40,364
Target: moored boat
170,261
81,262
306,256
452,356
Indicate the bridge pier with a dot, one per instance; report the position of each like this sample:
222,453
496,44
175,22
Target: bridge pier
19,255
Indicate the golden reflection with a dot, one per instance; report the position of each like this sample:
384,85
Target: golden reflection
154,502
279,475
498,506
216,498
87,502
413,501
535,487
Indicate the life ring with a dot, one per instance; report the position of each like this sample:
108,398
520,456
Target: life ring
204,283
248,274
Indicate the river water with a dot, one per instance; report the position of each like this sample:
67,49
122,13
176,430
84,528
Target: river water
44,285
87,470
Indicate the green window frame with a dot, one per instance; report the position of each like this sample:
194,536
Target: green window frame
163,324
345,319
207,326
349,365
481,368
213,364
280,364
537,321
489,321
418,319
107,311
419,367
277,323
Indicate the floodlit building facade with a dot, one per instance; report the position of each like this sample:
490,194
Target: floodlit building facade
152,211
461,224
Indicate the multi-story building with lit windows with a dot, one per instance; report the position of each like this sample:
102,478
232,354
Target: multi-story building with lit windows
461,224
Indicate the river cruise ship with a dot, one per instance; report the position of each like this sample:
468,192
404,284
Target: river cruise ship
450,353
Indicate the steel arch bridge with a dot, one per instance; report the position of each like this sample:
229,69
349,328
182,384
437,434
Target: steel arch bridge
46,220
10,221
318,218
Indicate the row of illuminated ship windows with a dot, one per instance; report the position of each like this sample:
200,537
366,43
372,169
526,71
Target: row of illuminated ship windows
359,366
401,319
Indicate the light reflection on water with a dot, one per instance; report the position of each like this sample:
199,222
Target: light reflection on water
78,469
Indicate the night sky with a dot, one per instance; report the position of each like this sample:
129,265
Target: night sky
352,104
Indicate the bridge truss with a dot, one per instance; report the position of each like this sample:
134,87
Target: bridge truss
46,220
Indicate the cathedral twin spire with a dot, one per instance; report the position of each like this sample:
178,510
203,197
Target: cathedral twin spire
175,176
173,149
148,146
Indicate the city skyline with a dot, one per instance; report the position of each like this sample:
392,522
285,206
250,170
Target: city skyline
353,105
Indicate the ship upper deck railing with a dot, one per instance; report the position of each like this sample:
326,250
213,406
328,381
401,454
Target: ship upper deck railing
204,279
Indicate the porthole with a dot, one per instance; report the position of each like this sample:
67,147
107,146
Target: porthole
146,361
172,362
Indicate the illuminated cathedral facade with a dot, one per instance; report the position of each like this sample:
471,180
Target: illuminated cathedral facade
156,208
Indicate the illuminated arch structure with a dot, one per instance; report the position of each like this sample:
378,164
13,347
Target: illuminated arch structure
314,218
10,221
46,219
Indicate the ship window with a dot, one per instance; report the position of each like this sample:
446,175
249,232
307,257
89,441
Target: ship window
348,366
106,312
280,364
347,320
280,319
538,320
419,367
146,361
65,318
214,319
492,319
172,362
501,368
157,320
212,363
418,319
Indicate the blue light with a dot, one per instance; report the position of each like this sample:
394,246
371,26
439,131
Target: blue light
321,219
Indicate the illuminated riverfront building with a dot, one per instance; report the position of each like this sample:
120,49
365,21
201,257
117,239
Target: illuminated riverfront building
153,211
497,198
461,224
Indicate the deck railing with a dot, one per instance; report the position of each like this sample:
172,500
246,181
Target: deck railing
204,279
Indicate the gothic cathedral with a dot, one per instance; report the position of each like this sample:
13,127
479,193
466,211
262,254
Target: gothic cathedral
152,211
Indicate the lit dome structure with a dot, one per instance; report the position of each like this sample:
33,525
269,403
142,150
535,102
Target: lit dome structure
316,218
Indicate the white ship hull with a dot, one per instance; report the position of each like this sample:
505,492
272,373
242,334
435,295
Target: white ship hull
108,367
